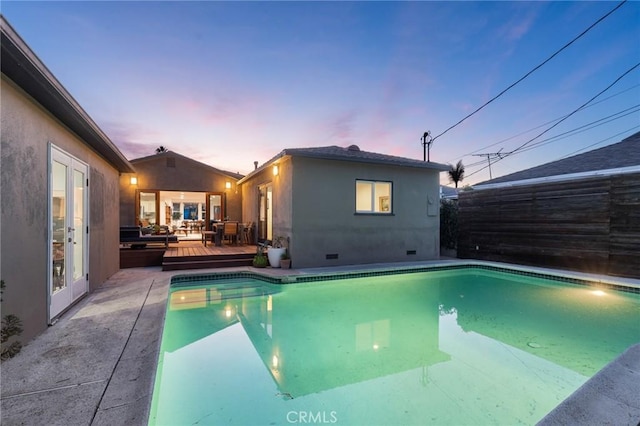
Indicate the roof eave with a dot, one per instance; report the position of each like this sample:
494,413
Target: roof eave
560,178
322,156
153,157
294,152
21,65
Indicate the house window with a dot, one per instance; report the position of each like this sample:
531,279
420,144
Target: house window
373,197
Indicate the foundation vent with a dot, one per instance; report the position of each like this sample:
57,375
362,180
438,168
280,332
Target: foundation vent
411,252
331,256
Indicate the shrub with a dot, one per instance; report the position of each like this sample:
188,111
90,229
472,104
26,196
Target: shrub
449,224
11,326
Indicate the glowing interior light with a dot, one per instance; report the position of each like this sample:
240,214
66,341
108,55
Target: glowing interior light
274,361
598,293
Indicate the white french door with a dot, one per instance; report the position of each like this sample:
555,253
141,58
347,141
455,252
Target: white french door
68,233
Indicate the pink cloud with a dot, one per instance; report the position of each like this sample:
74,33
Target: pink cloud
518,26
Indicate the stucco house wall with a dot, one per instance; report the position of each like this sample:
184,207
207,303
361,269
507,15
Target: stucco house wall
324,221
281,198
170,171
314,206
27,129
37,113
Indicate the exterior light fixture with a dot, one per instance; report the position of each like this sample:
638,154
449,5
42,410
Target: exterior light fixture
275,170
227,185
133,180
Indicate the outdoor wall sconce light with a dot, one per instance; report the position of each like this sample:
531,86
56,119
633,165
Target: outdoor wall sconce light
133,180
275,170
227,185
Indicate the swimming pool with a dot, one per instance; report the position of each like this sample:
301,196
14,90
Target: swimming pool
455,346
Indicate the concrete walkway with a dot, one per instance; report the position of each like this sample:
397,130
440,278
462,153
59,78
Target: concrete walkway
97,364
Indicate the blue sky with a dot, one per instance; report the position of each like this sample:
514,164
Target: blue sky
229,83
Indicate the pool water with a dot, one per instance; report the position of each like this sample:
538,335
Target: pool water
448,347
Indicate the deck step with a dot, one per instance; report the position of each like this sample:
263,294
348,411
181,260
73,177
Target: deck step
216,262
196,258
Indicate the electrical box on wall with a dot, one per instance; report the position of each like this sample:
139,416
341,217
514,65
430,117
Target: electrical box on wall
432,206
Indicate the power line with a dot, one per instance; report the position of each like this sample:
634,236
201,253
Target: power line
585,127
534,69
518,149
568,155
579,108
545,124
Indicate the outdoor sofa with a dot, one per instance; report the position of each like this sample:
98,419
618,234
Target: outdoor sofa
133,236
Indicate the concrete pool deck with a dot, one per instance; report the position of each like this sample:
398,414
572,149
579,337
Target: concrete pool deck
97,364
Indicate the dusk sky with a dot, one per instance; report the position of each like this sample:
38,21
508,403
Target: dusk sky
227,83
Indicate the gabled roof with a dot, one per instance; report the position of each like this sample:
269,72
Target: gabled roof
618,157
20,64
351,153
171,154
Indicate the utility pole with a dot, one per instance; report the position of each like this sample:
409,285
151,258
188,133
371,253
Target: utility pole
427,140
492,155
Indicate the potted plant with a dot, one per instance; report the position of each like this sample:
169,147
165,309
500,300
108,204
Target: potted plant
285,260
276,250
260,260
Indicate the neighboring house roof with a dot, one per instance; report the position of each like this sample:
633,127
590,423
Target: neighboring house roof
20,64
351,153
172,154
623,156
448,192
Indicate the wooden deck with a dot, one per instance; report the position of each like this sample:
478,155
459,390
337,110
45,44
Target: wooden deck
194,255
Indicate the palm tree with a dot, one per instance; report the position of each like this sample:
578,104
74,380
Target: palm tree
161,149
456,174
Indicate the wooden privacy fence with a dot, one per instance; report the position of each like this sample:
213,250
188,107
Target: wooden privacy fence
589,225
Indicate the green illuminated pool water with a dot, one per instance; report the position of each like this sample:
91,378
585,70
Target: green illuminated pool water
450,347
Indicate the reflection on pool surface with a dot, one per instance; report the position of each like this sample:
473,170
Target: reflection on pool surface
450,347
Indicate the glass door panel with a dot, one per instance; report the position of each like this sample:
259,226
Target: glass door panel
148,214
269,212
265,218
215,207
59,224
79,231
78,224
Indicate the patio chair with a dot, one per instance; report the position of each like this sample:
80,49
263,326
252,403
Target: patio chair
247,232
231,231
